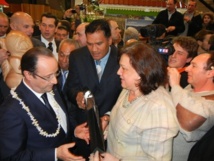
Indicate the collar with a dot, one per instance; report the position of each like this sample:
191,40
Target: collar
171,12
34,92
46,42
105,58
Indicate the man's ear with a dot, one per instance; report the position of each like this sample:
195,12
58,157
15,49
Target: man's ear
28,75
13,26
188,60
210,73
199,42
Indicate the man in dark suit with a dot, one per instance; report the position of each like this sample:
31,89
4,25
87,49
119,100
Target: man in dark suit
171,19
34,127
192,19
4,90
48,27
65,48
85,73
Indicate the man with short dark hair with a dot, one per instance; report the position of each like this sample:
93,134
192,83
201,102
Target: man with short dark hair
203,37
34,122
94,67
61,33
48,26
171,19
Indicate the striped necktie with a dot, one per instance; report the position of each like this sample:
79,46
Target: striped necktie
64,77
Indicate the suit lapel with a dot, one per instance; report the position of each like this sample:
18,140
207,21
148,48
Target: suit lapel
37,108
111,65
90,66
59,100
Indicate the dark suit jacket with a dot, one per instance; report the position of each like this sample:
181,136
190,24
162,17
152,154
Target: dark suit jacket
37,43
175,20
19,139
203,150
57,42
195,25
82,76
69,105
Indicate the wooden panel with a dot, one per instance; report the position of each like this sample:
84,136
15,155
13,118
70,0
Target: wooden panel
116,1
36,11
25,8
111,1
120,1
13,8
126,2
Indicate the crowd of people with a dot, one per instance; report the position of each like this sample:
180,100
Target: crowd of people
150,108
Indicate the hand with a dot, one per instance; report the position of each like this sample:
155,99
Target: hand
105,121
108,157
170,28
82,132
64,154
174,76
68,13
102,157
186,18
95,157
3,55
80,100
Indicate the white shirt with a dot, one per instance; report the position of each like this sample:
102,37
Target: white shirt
57,109
53,45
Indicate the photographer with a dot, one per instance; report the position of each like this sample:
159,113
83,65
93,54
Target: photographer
73,15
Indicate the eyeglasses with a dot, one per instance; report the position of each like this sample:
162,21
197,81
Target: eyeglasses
49,77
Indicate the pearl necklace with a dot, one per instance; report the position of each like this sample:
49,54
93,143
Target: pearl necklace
34,121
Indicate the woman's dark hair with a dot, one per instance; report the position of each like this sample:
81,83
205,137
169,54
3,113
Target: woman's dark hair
148,64
30,58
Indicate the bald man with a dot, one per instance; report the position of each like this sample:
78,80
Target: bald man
4,24
19,21
80,34
23,22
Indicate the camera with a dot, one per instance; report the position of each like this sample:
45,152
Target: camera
73,11
162,46
82,7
